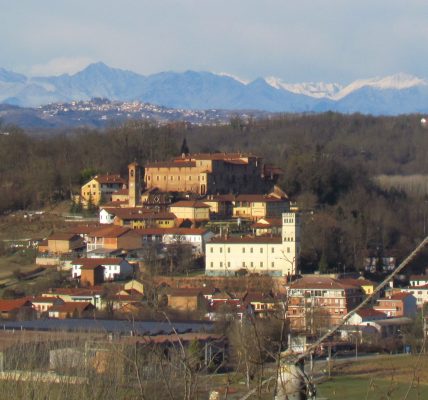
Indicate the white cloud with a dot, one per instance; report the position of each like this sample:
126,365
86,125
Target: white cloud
60,65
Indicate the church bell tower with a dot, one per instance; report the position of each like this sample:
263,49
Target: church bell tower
134,182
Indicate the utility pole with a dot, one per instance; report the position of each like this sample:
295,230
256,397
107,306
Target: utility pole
329,360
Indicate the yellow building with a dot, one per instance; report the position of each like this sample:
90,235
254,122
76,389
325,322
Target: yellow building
195,211
138,217
101,188
256,206
63,242
208,173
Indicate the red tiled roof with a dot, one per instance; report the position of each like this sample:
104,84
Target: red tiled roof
358,282
398,296
259,297
217,156
170,231
14,304
247,239
63,236
43,299
110,231
320,282
171,164
72,306
83,229
114,178
370,312
190,203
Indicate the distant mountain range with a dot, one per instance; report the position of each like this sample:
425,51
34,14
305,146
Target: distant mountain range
392,95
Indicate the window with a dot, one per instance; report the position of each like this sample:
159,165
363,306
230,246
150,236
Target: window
228,264
221,264
261,250
272,264
243,249
243,264
252,264
251,249
221,249
212,264
228,249
157,177
273,250
211,250
288,249
261,264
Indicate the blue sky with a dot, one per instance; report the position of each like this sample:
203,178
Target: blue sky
295,40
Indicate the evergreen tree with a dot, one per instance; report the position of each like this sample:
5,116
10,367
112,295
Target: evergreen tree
184,147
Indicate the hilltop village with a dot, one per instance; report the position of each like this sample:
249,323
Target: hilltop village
201,239
218,237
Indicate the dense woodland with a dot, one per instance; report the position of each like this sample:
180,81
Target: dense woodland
330,163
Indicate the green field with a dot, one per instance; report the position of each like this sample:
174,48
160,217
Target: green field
383,378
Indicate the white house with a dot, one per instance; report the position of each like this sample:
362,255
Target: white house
106,217
197,237
114,268
276,256
364,315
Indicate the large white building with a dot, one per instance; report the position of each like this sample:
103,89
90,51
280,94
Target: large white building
276,256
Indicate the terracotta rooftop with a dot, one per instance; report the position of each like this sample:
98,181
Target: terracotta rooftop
216,156
72,306
83,229
109,231
398,296
321,282
171,164
370,312
114,178
63,236
138,213
14,304
247,239
171,231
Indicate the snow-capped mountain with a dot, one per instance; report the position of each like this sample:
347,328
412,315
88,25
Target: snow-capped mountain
318,90
395,94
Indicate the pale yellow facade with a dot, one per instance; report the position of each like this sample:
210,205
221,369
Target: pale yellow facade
277,256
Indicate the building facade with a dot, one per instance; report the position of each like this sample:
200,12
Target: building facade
276,256
101,188
210,173
318,302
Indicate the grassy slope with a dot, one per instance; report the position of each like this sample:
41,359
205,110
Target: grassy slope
385,378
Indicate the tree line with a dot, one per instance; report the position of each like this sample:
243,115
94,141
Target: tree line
330,162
